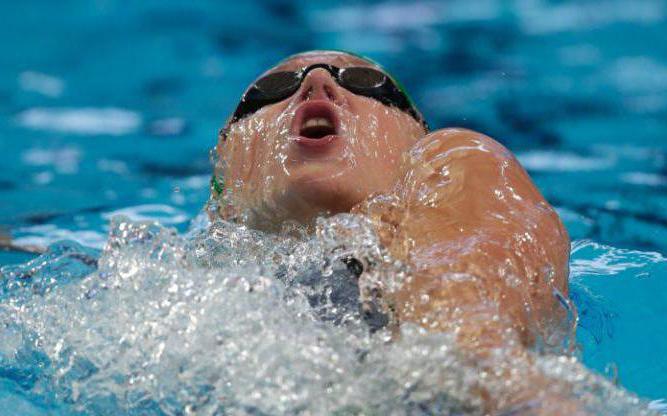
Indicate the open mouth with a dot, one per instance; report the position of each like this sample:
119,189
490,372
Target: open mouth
317,127
315,121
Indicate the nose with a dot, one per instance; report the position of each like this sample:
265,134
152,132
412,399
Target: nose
319,84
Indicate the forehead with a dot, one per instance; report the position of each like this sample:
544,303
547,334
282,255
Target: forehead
339,59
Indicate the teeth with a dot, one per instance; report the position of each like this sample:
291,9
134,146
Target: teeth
317,121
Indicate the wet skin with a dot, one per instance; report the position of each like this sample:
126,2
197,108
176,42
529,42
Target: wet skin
486,251
276,176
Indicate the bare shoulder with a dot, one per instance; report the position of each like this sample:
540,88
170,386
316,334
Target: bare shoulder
444,144
461,186
459,135
464,206
456,161
470,208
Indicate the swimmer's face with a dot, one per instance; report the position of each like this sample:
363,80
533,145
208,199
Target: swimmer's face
320,151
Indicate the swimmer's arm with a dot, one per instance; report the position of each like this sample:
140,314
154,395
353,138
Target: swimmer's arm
485,248
475,230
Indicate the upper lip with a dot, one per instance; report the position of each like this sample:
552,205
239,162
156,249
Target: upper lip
311,109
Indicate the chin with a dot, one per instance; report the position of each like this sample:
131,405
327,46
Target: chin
316,193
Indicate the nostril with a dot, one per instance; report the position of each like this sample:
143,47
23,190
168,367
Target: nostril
329,92
307,92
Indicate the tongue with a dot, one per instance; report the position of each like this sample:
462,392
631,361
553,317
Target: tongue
316,132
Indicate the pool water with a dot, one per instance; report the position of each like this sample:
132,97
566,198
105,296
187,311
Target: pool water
112,108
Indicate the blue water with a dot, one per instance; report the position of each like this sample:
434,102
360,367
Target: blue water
111,107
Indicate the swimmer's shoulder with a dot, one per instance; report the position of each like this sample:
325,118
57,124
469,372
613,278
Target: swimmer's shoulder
455,142
461,156
463,177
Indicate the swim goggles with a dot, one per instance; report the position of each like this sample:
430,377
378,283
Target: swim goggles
369,82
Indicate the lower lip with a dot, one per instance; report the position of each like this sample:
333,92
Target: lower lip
316,143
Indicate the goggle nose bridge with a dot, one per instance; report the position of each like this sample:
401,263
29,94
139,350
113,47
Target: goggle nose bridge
333,71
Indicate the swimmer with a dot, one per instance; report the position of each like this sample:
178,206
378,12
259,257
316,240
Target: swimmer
327,132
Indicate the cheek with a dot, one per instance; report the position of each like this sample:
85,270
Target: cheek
382,144
253,150
384,133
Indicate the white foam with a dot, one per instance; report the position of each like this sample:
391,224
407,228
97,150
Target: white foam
228,328
195,182
162,213
65,160
638,74
202,326
85,121
644,178
549,161
659,405
168,126
47,234
41,83
542,17
43,178
590,258
115,166
396,16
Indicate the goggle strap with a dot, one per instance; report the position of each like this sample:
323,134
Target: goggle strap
217,186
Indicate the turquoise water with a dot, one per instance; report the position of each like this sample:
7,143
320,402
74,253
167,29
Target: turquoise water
109,108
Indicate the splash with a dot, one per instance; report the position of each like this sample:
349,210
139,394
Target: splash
228,320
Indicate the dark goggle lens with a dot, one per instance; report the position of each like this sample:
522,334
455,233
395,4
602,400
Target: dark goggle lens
362,78
366,81
278,84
